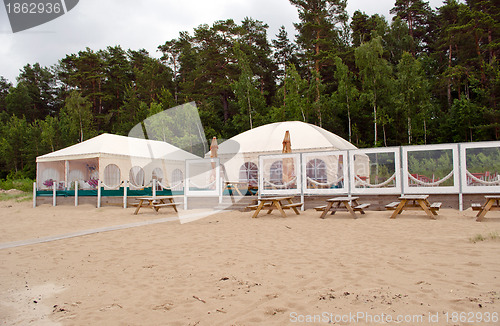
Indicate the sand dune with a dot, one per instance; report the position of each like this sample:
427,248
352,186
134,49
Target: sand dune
230,269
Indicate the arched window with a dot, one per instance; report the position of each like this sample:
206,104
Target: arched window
276,173
112,175
249,172
136,176
316,170
177,180
157,175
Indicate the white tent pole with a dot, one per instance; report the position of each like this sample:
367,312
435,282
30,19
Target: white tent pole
54,185
34,194
76,192
220,182
186,185
460,184
99,193
302,184
154,187
125,185
66,174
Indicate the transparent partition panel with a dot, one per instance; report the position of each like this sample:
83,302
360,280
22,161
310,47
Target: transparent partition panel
280,174
50,174
324,172
431,169
85,171
202,177
481,170
375,171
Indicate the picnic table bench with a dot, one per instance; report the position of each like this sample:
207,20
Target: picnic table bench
334,204
492,204
271,203
155,203
414,202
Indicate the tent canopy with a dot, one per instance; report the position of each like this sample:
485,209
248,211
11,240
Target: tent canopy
115,145
268,138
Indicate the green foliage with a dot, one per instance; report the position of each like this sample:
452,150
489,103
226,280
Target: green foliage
77,120
427,77
24,184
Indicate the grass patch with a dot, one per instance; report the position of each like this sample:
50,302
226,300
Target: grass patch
20,197
479,237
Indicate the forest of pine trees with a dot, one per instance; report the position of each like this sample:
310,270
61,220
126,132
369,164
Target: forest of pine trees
427,76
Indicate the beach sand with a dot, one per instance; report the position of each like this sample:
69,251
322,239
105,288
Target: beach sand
230,269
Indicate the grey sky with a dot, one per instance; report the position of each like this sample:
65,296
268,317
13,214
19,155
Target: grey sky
146,24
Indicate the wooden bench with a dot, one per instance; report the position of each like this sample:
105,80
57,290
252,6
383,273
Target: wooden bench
476,206
392,205
165,205
361,207
291,205
254,207
160,205
320,208
436,206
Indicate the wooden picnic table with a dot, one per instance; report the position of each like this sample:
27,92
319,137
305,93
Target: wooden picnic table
155,203
414,202
349,203
492,204
271,203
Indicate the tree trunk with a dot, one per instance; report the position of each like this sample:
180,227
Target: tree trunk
375,113
225,105
318,78
449,79
348,114
249,108
409,129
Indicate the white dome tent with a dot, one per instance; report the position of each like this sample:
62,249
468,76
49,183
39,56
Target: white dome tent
111,159
240,154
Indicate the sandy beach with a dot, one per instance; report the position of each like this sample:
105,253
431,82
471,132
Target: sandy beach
230,269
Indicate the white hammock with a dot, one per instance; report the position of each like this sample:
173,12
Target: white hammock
199,187
169,187
111,187
134,187
379,185
430,184
324,184
283,186
487,183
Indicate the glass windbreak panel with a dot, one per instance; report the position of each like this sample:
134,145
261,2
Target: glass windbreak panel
280,173
430,168
202,175
375,170
324,171
482,166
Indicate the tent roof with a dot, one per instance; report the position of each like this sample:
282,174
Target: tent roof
269,138
115,145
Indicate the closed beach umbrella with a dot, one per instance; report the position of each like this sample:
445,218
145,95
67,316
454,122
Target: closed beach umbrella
288,168
214,147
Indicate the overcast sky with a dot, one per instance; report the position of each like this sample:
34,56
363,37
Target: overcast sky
145,24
